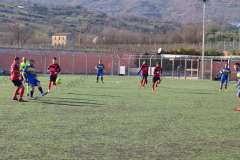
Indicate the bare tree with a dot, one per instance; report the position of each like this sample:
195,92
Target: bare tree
21,33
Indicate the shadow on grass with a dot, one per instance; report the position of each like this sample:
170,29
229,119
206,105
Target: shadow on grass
70,102
188,91
74,99
94,95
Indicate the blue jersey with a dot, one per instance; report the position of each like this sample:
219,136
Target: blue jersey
225,72
100,68
31,75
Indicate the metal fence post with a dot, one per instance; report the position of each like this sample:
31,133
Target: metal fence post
191,68
45,63
198,68
86,71
112,65
173,64
73,64
185,69
211,74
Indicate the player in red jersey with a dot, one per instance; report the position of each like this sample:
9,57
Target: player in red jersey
156,77
16,79
144,73
53,69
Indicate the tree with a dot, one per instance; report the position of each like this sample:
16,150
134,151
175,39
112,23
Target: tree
21,33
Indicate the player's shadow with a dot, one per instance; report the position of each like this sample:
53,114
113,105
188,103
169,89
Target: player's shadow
74,99
94,95
187,91
71,102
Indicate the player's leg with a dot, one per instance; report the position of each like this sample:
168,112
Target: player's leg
143,82
102,78
153,84
38,84
98,75
16,93
52,82
49,85
156,85
221,83
32,91
21,93
226,83
19,90
146,79
28,88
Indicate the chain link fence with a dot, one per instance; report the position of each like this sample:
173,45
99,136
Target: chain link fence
174,66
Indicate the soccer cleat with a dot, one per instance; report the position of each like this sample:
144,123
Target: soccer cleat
44,94
15,99
21,100
33,98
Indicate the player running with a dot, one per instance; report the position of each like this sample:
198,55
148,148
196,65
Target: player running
32,78
144,73
16,79
53,69
100,71
22,66
237,68
225,72
156,77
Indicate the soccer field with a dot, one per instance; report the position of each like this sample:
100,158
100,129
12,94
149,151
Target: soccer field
82,120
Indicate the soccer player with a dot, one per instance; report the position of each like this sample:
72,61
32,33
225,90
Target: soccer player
156,77
100,70
16,79
32,78
144,74
225,72
53,69
237,68
22,66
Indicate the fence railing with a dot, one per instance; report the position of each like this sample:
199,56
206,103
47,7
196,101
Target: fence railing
181,67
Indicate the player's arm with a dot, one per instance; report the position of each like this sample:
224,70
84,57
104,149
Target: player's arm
48,69
103,67
59,69
24,72
141,68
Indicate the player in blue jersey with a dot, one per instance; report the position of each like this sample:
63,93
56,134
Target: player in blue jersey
225,73
32,79
237,68
100,71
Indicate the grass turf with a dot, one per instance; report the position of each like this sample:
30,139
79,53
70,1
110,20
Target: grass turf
184,120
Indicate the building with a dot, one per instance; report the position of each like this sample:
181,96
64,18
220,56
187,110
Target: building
61,40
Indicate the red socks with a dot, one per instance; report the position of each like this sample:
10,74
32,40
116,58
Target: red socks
49,85
21,92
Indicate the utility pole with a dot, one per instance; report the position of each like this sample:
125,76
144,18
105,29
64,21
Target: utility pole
203,38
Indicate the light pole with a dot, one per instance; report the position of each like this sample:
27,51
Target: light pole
203,38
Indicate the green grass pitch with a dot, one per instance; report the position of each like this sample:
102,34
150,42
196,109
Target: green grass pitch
82,120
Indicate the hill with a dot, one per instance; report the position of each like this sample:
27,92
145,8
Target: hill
184,11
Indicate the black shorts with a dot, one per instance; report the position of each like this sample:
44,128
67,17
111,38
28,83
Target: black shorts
145,76
155,79
53,78
17,83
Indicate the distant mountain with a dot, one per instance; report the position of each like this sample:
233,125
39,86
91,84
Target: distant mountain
184,11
